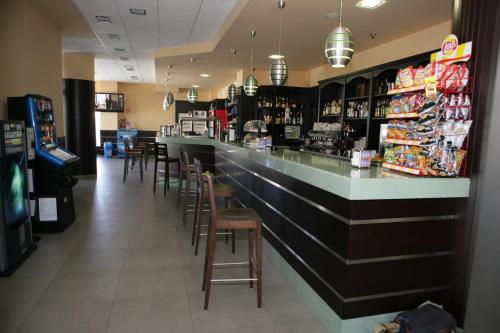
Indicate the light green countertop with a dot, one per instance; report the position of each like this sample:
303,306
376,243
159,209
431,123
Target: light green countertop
338,177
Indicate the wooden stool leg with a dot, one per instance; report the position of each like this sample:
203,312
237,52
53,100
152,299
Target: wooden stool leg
186,195
165,179
250,255
258,250
196,212
233,241
167,175
179,189
207,246
140,168
125,169
146,160
209,269
155,176
226,236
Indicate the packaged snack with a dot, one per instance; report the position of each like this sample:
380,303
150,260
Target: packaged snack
411,130
396,130
406,77
411,155
397,84
419,78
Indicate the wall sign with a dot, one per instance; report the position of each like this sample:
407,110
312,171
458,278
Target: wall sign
452,52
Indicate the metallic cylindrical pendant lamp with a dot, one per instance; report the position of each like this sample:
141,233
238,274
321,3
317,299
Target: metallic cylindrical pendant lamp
251,85
231,92
166,106
339,47
192,95
278,72
170,99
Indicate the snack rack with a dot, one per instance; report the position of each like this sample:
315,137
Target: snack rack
466,91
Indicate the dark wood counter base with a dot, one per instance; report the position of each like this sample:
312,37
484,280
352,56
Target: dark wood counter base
362,257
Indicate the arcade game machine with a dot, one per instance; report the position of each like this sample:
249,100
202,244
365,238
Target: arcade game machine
16,242
52,170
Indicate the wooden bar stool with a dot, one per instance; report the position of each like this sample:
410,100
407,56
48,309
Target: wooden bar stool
131,155
233,218
187,173
149,150
221,191
161,156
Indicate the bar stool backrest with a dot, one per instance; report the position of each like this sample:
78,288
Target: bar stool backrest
126,145
185,157
161,152
211,196
181,157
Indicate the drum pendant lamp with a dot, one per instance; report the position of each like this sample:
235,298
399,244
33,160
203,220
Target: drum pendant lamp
251,85
192,94
278,71
339,46
231,89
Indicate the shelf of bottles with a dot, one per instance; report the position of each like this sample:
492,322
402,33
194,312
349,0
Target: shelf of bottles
281,110
332,108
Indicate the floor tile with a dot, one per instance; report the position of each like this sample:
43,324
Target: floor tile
151,282
157,314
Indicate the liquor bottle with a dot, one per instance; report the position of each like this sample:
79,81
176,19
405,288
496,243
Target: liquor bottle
301,119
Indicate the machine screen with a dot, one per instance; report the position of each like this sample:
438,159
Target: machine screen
13,188
46,124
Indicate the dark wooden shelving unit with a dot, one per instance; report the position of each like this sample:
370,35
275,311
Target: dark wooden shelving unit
364,86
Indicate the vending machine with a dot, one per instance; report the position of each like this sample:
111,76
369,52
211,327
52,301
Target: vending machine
16,242
52,170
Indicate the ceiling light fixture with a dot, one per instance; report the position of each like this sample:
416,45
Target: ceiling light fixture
278,71
276,56
204,75
119,49
231,89
113,36
251,84
103,19
370,4
124,58
135,11
339,46
192,94
168,100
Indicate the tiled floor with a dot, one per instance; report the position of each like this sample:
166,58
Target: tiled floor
126,265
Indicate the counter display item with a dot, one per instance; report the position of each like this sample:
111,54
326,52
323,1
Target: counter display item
432,140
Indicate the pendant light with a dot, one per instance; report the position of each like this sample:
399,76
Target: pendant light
251,85
168,100
192,94
231,89
339,46
278,72
166,104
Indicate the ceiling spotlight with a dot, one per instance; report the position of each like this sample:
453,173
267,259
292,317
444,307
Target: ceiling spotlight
276,56
195,86
370,4
135,11
102,19
205,75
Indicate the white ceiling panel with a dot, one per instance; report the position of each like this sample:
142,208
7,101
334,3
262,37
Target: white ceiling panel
177,15
210,18
217,6
181,4
174,20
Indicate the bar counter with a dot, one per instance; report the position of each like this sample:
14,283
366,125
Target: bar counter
366,242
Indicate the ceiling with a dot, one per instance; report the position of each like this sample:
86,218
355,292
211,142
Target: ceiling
208,29
124,47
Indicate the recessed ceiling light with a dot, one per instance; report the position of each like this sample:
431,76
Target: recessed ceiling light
370,4
124,58
276,56
135,11
119,49
134,77
113,36
195,86
102,18
205,75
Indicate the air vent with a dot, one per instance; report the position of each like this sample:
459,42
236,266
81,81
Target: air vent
119,49
134,77
113,36
135,11
102,18
124,58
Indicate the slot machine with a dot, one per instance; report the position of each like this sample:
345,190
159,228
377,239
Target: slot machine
16,242
52,169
